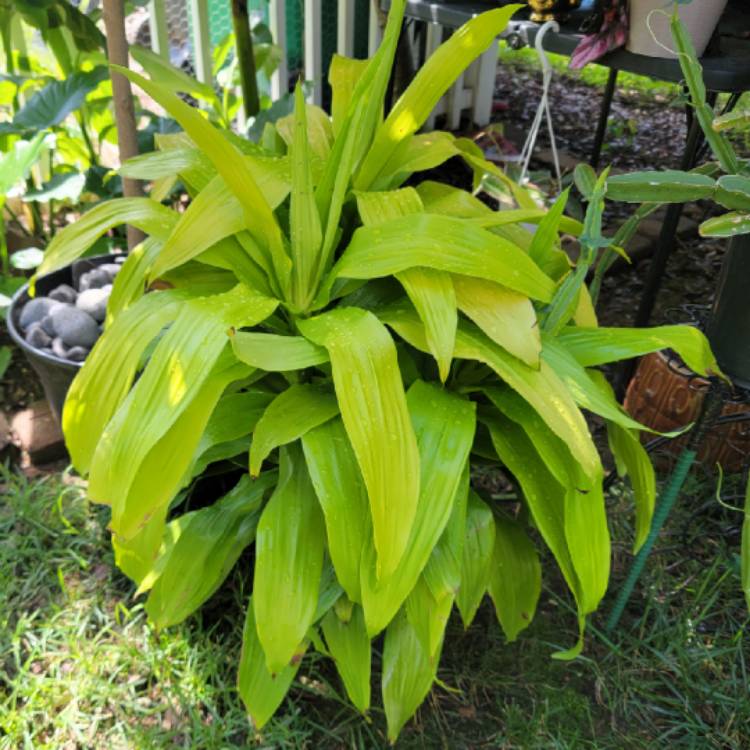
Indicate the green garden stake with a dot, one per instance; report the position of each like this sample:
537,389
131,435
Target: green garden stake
709,411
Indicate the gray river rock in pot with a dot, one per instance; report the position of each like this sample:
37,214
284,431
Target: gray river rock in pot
68,321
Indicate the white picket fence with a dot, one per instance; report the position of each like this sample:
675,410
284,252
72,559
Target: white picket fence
471,95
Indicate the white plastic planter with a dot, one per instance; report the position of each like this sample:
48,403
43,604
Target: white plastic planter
649,31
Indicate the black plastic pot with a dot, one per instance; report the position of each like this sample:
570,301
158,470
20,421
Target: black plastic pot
55,373
729,327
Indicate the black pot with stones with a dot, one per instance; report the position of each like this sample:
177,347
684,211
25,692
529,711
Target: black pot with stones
57,328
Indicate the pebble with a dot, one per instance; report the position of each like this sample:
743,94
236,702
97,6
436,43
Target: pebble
94,302
94,279
111,269
75,327
36,309
77,353
48,326
58,348
36,336
63,293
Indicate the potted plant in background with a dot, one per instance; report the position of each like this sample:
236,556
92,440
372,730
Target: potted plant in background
649,32
664,396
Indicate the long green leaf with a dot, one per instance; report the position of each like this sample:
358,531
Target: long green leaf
506,317
434,298
73,241
341,491
186,370
373,407
445,244
444,425
205,552
295,411
515,577
261,691
431,82
727,225
107,375
667,186
542,388
408,674
477,556
230,165
693,73
275,353
343,75
288,562
304,219
349,645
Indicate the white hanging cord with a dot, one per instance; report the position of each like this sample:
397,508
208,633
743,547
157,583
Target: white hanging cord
543,109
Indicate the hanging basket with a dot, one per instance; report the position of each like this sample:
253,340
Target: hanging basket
650,34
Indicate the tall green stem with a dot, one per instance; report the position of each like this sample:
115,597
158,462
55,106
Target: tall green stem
245,57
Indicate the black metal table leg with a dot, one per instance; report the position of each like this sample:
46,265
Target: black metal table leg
601,126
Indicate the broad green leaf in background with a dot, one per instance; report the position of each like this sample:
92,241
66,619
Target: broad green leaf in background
667,186
295,411
349,645
206,551
444,424
26,259
598,346
275,353
438,198
288,562
515,577
373,407
445,244
261,691
507,317
63,186
431,82
72,241
479,543
52,104
341,491
408,674
16,162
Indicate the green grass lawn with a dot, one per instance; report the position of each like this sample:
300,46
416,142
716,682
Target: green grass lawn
81,668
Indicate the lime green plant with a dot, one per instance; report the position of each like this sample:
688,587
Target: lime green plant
358,345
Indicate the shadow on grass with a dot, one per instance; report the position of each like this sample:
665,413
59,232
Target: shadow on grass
81,668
